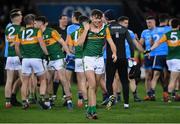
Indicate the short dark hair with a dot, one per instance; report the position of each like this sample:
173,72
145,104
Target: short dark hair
76,14
97,13
60,17
83,19
163,17
109,14
14,11
122,18
14,15
175,23
29,19
150,18
43,19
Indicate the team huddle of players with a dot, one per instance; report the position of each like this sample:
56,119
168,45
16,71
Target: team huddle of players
39,58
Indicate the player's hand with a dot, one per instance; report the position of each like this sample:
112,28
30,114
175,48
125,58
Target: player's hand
86,26
147,51
136,37
114,57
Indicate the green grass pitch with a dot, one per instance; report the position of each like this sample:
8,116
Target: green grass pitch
146,112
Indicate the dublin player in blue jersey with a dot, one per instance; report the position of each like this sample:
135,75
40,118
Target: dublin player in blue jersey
146,41
160,53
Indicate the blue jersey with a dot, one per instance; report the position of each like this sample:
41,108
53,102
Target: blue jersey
128,52
104,53
72,28
146,35
156,35
6,43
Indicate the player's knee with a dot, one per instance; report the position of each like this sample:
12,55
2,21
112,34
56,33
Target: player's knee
92,86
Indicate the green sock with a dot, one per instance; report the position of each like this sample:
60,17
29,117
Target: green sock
89,109
93,109
85,102
170,93
8,99
42,98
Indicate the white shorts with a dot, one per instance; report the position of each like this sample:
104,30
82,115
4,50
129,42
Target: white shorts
173,65
13,63
56,64
95,64
79,65
30,65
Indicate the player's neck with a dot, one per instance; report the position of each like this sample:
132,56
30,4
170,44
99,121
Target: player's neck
96,27
75,22
16,23
62,26
28,26
43,29
175,29
163,24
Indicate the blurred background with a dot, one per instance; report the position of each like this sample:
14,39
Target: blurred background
136,10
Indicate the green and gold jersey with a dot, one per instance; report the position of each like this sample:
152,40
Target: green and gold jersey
30,47
94,43
173,40
51,37
73,42
11,34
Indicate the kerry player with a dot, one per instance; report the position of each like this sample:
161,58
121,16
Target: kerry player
92,38
13,63
32,46
54,44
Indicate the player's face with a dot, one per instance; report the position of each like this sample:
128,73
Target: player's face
19,18
96,21
125,23
64,20
150,23
38,24
169,23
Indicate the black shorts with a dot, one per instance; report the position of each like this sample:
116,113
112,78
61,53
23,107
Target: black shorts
148,62
159,62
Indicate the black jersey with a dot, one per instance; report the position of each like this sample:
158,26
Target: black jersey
119,34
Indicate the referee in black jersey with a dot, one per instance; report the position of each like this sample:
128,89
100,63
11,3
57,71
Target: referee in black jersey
119,34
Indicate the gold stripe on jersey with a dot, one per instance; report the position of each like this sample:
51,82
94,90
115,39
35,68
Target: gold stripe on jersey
31,40
108,34
170,43
72,42
12,39
55,37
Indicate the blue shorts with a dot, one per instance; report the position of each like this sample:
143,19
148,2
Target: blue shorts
148,62
159,62
70,65
105,61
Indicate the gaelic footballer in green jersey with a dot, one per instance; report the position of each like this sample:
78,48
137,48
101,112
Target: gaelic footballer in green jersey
79,65
93,38
13,62
54,44
32,49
